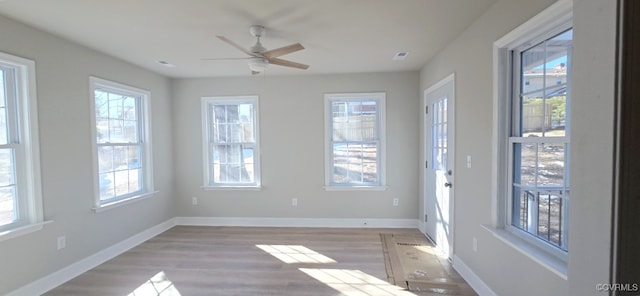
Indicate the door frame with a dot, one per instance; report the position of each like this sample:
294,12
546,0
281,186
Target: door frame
426,153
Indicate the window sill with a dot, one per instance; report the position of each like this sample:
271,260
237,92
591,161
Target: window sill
538,255
20,231
355,188
250,188
122,202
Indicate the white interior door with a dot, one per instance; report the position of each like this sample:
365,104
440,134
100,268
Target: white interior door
438,191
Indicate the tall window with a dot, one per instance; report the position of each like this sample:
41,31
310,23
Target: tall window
122,144
532,107
20,193
231,142
354,136
539,140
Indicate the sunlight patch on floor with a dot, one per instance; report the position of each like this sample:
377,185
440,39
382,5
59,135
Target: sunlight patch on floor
432,250
352,282
158,285
295,254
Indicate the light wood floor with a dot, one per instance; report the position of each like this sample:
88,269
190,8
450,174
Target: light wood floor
190,260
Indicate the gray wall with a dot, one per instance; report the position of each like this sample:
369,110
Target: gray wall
500,266
62,76
292,144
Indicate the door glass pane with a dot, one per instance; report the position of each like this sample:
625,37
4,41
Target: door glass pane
439,135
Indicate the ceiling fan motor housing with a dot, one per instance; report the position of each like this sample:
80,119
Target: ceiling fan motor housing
257,31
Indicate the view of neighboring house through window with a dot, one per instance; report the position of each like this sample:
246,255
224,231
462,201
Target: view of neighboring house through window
355,139
20,194
539,139
122,146
230,127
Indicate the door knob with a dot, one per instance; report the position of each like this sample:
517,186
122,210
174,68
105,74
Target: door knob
448,184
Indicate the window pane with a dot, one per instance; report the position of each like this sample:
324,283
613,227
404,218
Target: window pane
8,202
107,189
550,216
3,84
7,168
526,164
544,116
130,131
130,110
248,170
102,130
3,110
102,104
8,213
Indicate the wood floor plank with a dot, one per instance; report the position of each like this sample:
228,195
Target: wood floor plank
196,260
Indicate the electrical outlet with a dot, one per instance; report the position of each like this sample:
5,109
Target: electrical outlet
475,244
194,200
395,202
294,202
468,161
62,242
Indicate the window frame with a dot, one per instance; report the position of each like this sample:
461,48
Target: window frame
380,98
144,142
26,145
550,22
208,177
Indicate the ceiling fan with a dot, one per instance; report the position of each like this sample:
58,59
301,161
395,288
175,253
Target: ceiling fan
260,57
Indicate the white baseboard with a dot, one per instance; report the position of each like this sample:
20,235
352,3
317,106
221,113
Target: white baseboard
473,279
63,275
297,222
42,285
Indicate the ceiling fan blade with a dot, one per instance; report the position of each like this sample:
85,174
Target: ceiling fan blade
274,53
287,63
235,45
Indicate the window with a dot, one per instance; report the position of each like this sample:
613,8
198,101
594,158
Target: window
20,193
539,142
354,136
122,143
231,142
533,120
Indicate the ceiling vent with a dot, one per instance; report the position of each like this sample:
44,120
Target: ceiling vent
400,56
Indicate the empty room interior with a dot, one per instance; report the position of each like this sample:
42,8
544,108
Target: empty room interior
127,122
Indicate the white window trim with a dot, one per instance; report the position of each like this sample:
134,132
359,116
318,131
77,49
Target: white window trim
555,16
253,99
329,185
148,187
29,181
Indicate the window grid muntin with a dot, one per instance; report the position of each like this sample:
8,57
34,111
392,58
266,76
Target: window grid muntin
243,140
516,133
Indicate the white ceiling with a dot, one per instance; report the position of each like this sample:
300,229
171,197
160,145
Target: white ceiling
340,36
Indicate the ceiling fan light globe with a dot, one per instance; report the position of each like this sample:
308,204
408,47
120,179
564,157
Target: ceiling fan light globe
258,64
